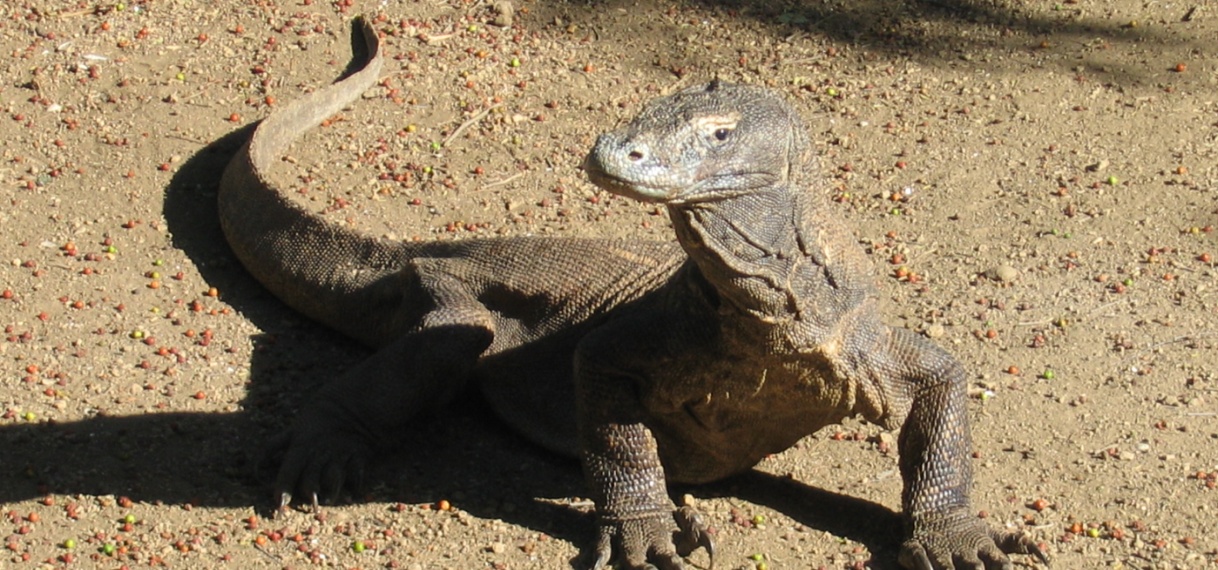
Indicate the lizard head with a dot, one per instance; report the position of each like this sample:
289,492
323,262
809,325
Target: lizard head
704,143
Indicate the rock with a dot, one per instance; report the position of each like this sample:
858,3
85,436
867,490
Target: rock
505,14
1003,273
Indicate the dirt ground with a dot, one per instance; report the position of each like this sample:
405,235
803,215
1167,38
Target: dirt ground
1035,182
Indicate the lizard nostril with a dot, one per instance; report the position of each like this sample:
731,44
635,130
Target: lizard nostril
636,155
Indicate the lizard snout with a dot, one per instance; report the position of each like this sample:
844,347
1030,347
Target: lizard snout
613,149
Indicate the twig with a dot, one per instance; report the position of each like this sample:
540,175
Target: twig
437,38
187,139
267,554
501,182
471,121
1150,349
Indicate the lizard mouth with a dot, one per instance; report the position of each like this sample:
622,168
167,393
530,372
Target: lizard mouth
622,187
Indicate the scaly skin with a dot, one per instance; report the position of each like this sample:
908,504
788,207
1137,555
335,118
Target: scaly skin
651,361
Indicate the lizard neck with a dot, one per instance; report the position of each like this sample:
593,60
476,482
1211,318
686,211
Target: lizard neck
775,254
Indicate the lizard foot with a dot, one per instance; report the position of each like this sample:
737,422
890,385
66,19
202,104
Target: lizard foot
964,543
638,543
315,462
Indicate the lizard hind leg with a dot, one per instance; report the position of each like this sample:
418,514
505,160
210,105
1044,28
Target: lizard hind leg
358,414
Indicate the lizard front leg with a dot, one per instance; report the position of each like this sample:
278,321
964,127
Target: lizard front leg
936,466
359,413
621,461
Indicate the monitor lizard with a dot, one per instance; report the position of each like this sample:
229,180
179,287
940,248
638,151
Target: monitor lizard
653,362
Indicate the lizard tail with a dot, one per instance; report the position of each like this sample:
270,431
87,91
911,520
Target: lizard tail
327,272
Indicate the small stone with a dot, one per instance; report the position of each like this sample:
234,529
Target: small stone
505,14
1003,273
935,330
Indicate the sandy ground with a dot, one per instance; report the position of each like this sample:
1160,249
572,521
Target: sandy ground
1034,181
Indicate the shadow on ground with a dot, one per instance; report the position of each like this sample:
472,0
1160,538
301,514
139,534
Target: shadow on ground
930,31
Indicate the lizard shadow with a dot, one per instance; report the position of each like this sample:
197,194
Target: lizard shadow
875,526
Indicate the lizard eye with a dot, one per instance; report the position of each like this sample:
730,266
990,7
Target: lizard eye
716,128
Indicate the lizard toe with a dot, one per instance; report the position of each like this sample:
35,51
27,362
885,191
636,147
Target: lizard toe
964,543
604,551
1019,543
334,479
692,534
318,465
637,544
914,556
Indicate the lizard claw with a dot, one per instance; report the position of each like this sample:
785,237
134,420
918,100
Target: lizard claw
604,551
913,556
639,543
316,460
963,543
285,501
1019,543
692,534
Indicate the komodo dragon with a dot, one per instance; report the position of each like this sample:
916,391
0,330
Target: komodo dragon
653,362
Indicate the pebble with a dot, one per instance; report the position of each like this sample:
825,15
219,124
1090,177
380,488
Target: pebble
1003,273
504,14
935,330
